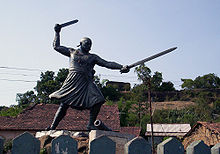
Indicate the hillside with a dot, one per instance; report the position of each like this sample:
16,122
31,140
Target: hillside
171,105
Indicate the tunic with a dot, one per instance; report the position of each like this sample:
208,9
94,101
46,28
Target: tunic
78,90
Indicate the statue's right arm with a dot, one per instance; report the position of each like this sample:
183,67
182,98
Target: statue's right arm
61,49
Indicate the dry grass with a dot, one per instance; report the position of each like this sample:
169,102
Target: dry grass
171,105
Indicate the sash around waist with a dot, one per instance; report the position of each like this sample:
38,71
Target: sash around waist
81,70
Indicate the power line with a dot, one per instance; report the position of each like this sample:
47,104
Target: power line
17,80
17,68
19,74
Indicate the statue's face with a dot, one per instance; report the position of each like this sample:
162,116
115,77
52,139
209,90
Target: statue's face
86,44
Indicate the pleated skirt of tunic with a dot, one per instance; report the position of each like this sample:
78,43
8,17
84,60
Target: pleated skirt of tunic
78,91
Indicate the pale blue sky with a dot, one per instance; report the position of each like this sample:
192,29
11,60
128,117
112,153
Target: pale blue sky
124,31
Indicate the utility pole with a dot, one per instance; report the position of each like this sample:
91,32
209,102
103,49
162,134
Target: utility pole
151,118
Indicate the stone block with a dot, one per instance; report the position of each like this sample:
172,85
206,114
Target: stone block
25,144
171,145
119,138
52,133
1,145
216,149
137,145
198,147
56,133
102,145
64,144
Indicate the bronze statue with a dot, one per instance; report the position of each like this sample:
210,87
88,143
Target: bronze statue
78,90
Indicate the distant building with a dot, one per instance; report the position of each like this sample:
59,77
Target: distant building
120,86
167,130
208,132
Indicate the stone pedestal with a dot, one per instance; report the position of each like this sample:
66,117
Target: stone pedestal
56,133
118,138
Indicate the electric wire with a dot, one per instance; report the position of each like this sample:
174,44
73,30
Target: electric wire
41,70
19,68
17,80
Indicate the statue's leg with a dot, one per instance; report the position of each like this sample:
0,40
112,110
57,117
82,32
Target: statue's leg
94,111
61,112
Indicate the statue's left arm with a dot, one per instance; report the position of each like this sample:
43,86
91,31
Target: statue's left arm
111,65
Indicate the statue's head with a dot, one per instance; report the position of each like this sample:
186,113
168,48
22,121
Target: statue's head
85,44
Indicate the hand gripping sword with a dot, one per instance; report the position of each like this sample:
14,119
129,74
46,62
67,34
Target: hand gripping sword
151,57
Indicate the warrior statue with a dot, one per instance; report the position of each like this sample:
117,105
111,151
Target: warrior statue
78,90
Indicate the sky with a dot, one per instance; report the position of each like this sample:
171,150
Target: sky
123,31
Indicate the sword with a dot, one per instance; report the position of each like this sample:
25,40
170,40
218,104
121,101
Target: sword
68,23
151,57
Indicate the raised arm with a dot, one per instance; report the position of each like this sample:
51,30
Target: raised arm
56,44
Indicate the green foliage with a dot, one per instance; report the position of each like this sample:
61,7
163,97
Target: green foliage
175,116
46,86
156,81
187,84
166,86
43,151
144,121
201,112
13,111
111,93
124,108
109,102
26,98
216,106
145,75
61,76
48,83
7,146
139,93
208,81
132,119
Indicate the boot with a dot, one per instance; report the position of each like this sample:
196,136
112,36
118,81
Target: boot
60,114
94,111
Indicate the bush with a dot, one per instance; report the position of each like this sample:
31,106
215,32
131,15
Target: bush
7,146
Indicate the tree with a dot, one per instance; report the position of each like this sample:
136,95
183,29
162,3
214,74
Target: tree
13,111
26,98
187,84
45,86
166,86
144,74
48,83
61,76
208,81
111,93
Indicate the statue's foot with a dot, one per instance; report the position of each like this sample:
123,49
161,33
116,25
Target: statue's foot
91,127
